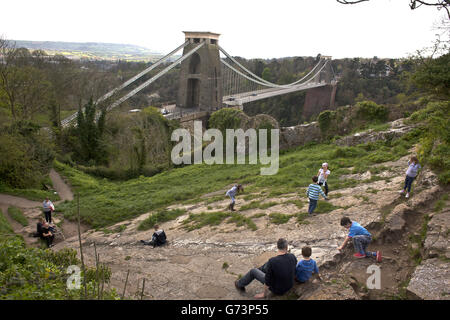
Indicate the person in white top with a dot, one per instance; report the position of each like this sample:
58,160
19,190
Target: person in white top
48,208
323,174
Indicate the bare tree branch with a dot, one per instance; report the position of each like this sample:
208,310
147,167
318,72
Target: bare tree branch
414,4
350,2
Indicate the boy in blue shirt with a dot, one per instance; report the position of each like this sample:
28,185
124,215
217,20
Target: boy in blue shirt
361,239
306,267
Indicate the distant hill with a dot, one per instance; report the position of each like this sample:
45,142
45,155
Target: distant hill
91,50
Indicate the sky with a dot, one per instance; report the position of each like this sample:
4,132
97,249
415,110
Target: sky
250,29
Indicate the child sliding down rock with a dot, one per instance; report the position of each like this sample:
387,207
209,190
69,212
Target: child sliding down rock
232,194
361,239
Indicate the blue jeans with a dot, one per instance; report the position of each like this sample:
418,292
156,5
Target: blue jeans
312,205
408,182
250,276
361,242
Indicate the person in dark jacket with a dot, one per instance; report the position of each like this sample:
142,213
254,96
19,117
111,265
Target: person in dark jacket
46,232
277,274
158,238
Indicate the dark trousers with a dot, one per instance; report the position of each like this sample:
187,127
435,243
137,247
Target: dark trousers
326,186
312,205
48,239
48,216
408,182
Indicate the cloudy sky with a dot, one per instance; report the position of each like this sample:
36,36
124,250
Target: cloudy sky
248,28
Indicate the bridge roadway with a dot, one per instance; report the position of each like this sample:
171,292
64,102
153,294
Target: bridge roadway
187,114
246,97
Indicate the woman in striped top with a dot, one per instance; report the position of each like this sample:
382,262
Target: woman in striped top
313,194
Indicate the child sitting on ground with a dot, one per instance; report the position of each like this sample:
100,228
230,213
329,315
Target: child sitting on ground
313,194
306,267
361,239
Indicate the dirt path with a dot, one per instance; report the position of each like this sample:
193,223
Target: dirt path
32,211
64,191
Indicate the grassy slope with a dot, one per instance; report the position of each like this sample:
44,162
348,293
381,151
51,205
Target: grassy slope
103,203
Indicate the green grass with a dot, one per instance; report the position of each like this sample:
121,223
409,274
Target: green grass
279,218
104,202
6,230
197,221
17,214
325,207
159,217
241,220
30,194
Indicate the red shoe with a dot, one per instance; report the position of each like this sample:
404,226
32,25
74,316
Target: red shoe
379,256
359,255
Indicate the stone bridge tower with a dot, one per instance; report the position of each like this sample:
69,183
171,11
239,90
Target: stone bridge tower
200,83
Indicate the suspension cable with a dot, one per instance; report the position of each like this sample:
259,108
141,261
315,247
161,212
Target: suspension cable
263,80
129,81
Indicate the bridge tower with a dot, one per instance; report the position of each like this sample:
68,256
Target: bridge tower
200,82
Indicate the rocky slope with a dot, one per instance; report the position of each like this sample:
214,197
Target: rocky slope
203,263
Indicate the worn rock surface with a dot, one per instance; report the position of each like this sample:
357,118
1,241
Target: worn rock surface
205,262
396,130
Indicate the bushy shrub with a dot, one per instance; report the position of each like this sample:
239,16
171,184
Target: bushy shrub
370,111
226,118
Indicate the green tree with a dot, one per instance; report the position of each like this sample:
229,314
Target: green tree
90,134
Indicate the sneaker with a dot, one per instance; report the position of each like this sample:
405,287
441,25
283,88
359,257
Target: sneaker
379,256
407,195
359,255
242,289
402,192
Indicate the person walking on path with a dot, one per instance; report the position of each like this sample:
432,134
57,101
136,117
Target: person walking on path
361,239
323,174
232,194
48,208
312,193
277,274
411,174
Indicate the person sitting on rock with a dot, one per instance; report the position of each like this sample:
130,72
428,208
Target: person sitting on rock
306,267
158,238
232,194
47,233
361,239
277,274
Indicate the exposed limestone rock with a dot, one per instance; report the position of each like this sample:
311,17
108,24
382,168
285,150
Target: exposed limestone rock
299,135
425,197
436,243
398,128
431,280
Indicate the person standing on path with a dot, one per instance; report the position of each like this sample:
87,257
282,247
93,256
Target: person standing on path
411,174
323,174
313,195
48,208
